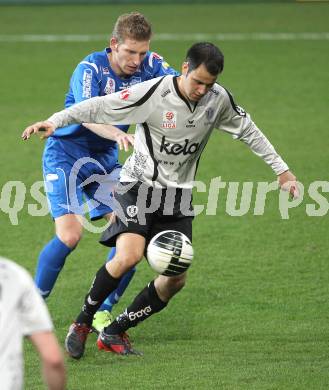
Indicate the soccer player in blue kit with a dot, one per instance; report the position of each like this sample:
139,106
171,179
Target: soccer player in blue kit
126,62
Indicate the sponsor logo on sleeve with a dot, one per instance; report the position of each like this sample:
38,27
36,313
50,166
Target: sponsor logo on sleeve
240,110
86,83
124,95
169,119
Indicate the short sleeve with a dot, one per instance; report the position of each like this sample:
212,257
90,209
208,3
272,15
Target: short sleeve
160,67
232,118
33,311
85,81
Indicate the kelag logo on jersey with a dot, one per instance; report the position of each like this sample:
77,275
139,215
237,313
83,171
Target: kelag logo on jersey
176,149
169,119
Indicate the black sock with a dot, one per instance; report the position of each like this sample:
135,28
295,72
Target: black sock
101,287
146,303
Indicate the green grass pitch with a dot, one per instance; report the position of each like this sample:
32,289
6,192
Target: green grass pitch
255,312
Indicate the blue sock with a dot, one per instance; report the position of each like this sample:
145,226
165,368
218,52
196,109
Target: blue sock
51,261
115,296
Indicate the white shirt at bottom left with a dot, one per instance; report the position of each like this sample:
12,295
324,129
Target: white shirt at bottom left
22,313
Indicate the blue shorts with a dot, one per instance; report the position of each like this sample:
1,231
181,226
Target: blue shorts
78,180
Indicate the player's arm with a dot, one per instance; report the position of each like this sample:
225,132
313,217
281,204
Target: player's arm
234,120
43,128
288,182
112,133
52,360
134,107
36,324
85,84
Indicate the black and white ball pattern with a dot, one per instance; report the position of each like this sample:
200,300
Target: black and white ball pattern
170,253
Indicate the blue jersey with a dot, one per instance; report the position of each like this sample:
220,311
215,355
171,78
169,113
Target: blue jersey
94,77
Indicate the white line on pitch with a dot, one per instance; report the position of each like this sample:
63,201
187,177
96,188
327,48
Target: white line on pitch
261,36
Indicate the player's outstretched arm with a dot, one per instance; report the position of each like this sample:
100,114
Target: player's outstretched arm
123,139
45,129
288,182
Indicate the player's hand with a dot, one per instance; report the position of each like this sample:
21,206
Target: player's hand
45,129
124,140
288,182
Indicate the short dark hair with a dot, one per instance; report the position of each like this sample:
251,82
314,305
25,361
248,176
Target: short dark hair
208,54
132,26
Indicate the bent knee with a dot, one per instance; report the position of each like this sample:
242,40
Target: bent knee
70,238
130,259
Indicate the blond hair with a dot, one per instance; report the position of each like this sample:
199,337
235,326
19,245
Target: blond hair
132,26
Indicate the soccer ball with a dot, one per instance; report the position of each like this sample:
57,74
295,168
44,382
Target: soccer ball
170,253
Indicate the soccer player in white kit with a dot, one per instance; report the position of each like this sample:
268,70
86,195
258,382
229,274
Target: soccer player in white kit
175,117
24,313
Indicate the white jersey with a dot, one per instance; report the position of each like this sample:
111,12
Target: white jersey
22,313
171,132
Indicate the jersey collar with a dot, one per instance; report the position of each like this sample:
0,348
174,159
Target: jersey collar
190,105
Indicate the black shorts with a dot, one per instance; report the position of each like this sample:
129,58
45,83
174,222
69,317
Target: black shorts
147,211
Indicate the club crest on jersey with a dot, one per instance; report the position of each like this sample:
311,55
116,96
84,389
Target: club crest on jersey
169,119
106,70
124,95
132,211
209,113
110,86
